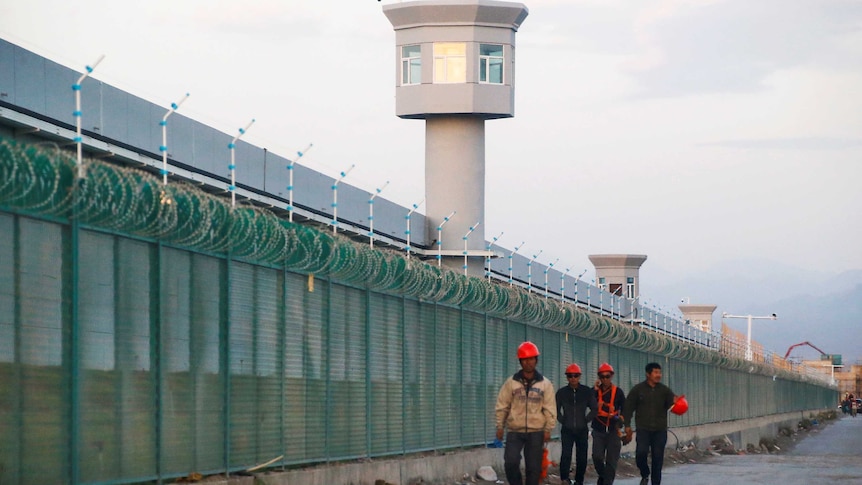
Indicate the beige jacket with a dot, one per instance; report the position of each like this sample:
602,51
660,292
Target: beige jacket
522,408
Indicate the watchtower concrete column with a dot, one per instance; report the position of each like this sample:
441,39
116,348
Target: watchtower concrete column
455,177
455,68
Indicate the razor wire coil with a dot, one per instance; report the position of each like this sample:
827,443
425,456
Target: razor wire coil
40,181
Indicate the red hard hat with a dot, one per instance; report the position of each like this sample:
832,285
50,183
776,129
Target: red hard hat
527,349
680,406
573,369
605,367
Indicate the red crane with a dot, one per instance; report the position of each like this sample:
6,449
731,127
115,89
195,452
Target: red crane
802,343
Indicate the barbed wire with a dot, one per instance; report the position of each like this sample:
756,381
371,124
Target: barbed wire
41,181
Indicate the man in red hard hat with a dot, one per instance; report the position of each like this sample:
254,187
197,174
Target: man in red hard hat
607,442
573,399
525,406
649,402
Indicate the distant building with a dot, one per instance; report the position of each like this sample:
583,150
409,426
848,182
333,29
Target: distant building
698,316
618,274
850,380
825,366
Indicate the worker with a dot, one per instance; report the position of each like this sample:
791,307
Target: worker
526,408
573,400
649,402
607,441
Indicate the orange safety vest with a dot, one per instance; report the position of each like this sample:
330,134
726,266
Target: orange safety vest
606,409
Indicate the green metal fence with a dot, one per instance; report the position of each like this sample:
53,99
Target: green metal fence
136,346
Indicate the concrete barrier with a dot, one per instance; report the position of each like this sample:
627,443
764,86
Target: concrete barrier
740,432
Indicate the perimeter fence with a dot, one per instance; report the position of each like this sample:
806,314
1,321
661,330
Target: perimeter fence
150,331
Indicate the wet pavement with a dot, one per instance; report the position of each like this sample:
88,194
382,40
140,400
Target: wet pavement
831,455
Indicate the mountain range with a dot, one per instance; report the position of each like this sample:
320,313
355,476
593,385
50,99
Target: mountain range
819,307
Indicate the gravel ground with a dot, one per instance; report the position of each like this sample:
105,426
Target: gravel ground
687,454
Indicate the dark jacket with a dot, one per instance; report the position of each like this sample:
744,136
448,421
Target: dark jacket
649,406
572,407
616,421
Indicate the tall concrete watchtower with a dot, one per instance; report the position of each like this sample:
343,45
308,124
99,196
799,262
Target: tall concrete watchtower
699,316
455,68
619,273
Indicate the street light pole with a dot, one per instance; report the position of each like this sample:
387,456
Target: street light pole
748,354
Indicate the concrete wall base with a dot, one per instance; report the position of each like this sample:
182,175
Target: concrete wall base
443,468
740,432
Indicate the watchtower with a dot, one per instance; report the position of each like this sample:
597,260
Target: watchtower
455,68
698,316
618,273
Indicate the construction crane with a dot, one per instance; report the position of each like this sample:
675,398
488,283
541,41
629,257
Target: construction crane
790,349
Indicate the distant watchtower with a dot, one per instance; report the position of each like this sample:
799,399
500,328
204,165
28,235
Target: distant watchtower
618,273
455,68
699,316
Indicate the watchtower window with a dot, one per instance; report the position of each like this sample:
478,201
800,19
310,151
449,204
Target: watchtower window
450,62
411,65
491,63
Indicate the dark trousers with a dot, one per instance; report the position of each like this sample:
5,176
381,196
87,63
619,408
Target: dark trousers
532,444
646,442
606,454
579,440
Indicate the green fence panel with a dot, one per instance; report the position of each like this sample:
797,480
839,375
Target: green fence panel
208,378
316,355
268,369
177,406
419,392
10,381
244,409
134,344
45,390
473,403
495,363
386,375
99,443
346,402
295,363
447,377
149,332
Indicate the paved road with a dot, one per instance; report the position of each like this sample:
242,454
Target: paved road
832,455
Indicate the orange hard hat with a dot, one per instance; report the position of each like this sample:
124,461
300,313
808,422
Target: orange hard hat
573,369
680,406
605,367
527,349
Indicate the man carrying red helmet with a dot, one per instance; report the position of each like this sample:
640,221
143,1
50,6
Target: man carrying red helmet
573,400
525,406
649,401
607,442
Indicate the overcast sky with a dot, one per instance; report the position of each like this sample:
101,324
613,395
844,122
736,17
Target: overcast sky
694,132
